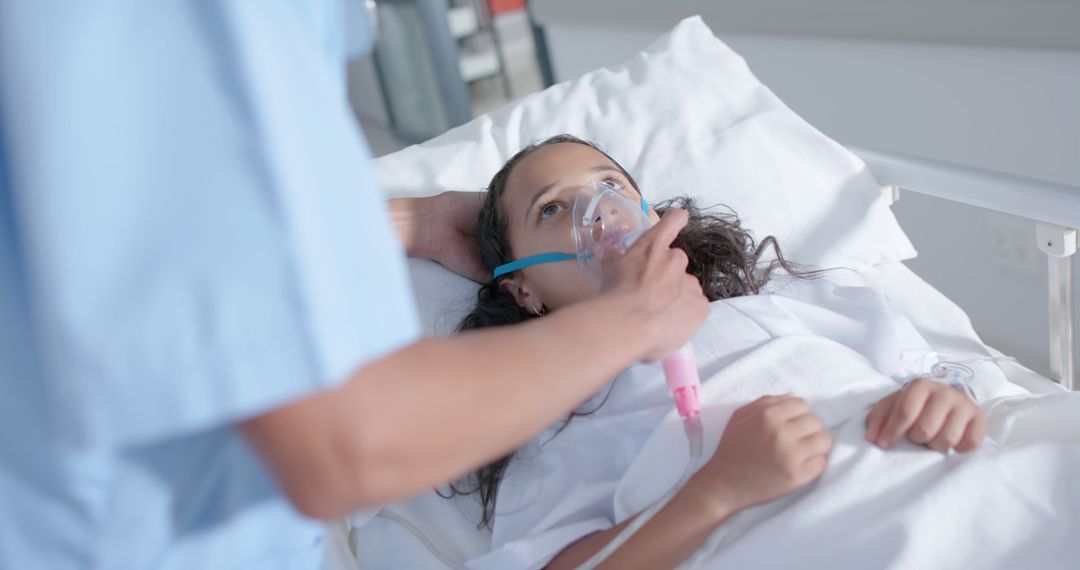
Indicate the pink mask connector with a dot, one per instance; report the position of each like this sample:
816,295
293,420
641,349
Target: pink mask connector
680,372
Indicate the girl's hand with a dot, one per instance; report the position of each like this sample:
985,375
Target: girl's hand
770,448
929,413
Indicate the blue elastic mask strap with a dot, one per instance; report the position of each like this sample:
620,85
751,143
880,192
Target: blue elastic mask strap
530,261
547,257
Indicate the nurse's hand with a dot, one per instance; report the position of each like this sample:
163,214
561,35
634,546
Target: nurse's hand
929,413
770,448
442,228
651,280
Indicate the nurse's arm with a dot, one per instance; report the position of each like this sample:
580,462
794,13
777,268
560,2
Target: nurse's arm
441,407
441,228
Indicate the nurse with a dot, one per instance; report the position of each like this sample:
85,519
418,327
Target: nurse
207,339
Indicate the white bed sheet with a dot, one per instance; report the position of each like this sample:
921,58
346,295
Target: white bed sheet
450,525
1008,504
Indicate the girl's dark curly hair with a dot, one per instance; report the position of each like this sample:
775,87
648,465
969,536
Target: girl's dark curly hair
723,256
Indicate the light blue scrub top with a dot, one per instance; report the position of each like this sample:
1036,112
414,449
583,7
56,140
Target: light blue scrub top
190,235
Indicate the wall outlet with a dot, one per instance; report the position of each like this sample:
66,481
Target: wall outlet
1012,245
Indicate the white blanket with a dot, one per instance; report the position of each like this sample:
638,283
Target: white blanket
1015,502
564,484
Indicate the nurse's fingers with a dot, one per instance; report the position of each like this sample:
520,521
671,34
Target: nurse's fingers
664,232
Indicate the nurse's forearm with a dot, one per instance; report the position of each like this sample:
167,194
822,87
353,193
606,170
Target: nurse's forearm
412,220
442,407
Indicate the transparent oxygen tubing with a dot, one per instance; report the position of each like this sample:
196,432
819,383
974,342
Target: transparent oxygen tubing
692,427
423,538
958,373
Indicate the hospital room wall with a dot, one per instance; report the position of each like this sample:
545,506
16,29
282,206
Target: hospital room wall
1010,110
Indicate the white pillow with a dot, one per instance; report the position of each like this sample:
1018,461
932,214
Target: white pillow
684,116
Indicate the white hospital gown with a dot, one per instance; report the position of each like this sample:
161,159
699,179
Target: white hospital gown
560,486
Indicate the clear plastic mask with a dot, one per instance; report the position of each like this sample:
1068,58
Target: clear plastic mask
605,225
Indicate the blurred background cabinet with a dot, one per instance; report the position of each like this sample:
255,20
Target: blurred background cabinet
438,63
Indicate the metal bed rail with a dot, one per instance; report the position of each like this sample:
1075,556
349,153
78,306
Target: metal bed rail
1053,206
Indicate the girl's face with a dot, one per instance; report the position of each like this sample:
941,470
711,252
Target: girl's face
537,200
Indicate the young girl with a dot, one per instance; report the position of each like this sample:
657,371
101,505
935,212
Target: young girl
554,496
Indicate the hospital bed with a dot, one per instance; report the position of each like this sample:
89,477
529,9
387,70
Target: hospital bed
430,532
986,91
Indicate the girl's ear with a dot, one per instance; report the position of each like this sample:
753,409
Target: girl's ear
522,293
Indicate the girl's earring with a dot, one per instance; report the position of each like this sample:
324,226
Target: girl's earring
539,312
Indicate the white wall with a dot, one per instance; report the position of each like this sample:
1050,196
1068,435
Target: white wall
1005,109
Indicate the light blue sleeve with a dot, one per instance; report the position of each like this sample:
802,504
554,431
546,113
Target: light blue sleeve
198,220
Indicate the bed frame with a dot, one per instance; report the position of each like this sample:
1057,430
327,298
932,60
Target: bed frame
1054,207
929,113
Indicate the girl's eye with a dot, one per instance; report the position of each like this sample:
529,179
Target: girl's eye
616,185
613,184
550,209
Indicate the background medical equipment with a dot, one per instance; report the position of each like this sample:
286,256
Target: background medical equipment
781,175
